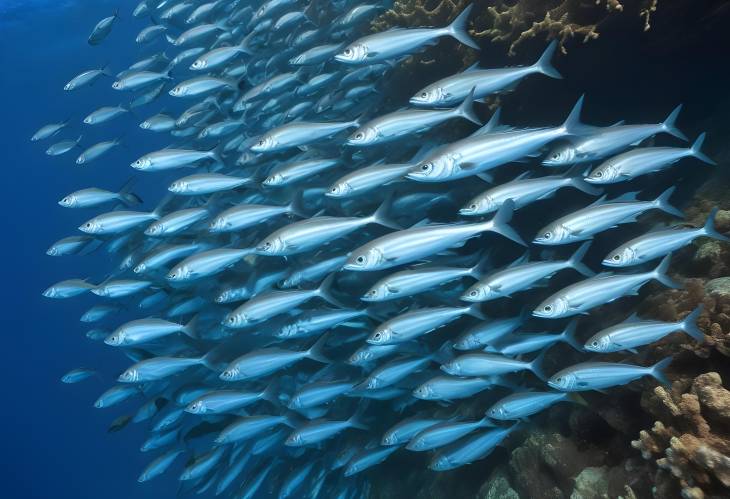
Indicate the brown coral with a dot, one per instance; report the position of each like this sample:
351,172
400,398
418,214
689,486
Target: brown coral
517,21
690,439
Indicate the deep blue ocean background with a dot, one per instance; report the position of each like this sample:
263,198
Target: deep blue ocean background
54,442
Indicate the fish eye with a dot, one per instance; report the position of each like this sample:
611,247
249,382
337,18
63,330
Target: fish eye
261,142
360,259
595,344
473,294
231,320
556,156
547,308
599,174
616,258
377,336
88,225
424,95
473,206
559,379
348,51
359,136
547,235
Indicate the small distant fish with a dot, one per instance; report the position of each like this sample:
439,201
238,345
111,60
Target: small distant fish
86,78
96,151
62,147
582,296
49,130
602,215
451,90
601,375
522,275
400,42
102,29
631,164
660,243
77,375
635,332
610,140
409,245
470,449
524,404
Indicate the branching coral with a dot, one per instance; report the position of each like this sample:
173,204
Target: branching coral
517,21
690,438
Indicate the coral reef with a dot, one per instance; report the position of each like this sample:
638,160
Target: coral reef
690,439
517,21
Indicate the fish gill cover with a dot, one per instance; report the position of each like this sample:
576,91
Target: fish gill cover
335,276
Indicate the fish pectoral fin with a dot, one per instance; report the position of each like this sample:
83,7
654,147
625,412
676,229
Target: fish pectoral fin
633,350
468,166
372,54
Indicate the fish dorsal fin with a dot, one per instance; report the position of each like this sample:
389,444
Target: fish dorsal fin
522,176
634,317
473,67
598,202
626,196
491,125
522,259
618,123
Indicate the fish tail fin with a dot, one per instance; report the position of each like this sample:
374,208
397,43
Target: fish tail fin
126,195
316,351
536,366
445,352
709,229
270,393
466,109
78,141
157,212
660,273
572,123
191,329
105,70
296,207
355,420
244,45
569,336
208,362
458,29
475,311
577,179
325,291
544,64
576,260
669,125
657,371
662,202
689,324
493,123
482,265
310,13
576,398
381,217
499,222
696,150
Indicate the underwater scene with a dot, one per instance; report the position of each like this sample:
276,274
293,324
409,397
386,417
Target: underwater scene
366,249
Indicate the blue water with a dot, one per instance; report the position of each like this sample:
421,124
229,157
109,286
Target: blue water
54,442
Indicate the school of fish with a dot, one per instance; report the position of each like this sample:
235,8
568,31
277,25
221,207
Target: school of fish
293,311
